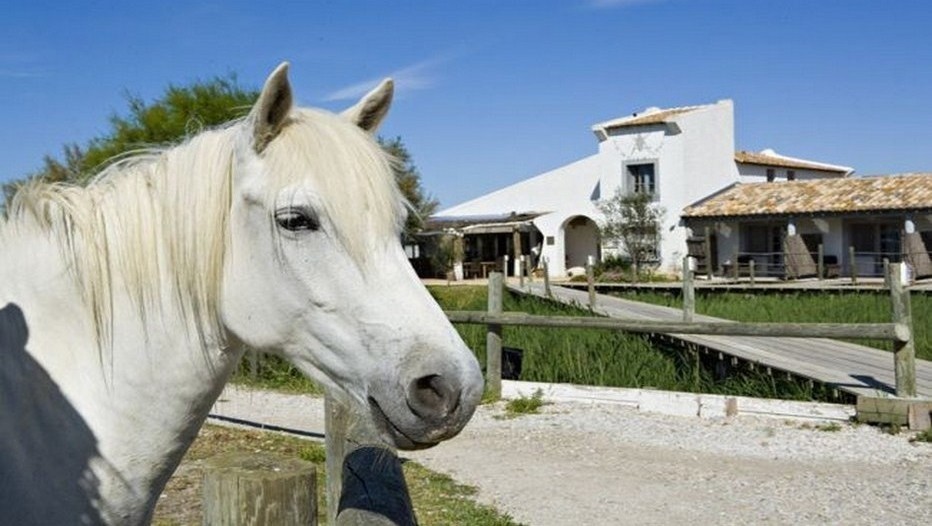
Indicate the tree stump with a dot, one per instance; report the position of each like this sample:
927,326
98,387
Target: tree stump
259,489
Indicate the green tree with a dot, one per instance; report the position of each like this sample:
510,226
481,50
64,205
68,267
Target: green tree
423,205
633,221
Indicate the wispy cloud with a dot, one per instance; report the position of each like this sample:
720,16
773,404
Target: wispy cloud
606,4
415,77
19,74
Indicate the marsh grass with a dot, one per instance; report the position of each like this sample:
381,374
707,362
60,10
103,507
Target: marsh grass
616,359
806,307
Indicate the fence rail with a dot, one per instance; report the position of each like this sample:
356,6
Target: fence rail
871,331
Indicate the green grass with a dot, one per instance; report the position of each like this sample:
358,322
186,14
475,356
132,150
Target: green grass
273,373
525,405
923,436
802,307
610,358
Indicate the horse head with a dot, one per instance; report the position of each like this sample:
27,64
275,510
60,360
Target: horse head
314,269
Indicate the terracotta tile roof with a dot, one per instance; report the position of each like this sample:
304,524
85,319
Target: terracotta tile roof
649,116
771,158
820,196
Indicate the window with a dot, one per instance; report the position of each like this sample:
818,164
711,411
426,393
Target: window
791,175
771,175
642,178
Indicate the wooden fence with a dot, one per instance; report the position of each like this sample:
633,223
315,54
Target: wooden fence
898,330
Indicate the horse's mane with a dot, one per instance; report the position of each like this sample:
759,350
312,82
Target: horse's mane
159,219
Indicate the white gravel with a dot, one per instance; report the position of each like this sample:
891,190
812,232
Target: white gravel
606,464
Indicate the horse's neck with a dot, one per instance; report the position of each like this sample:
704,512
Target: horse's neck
131,409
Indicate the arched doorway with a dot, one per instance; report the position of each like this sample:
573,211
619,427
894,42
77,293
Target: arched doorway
580,240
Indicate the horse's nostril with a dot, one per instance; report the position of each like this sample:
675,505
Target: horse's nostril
433,397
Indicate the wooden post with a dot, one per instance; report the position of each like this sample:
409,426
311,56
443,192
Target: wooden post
505,265
529,269
516,234
547,279
521,271
493,340
852,267
751,265
904,352
707,246
689,290
820,264
590,282
737,273
259,489
886,273
336,422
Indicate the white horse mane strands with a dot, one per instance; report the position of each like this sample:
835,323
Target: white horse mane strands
160,217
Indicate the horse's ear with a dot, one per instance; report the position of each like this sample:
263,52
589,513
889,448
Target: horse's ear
371,109
270,112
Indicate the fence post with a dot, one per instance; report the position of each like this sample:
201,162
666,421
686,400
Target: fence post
852,267
689,290
493,340
259,489
886,273
529,269
904,352
590,282
336,422
751,265
737,271
820,264
521,271
707,248
547,278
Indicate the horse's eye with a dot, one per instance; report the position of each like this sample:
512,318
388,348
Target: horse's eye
295,219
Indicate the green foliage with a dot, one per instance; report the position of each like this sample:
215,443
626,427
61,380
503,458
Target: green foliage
525,405
923,436
447,251
422,204
272,372
633,221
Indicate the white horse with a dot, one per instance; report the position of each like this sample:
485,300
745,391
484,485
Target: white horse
124,306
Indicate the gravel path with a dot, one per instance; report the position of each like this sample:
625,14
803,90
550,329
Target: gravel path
606,464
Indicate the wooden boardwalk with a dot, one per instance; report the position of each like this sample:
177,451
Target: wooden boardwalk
848,367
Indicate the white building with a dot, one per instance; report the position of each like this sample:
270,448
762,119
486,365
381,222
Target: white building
680,155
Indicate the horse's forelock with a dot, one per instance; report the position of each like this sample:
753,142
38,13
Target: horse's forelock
353,174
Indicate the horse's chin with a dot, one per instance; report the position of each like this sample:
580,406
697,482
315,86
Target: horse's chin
394,436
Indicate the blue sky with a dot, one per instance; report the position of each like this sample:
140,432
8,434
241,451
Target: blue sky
492,92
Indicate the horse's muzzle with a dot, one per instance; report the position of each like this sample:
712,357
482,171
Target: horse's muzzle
436,407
